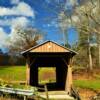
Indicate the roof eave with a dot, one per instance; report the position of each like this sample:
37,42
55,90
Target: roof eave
26,51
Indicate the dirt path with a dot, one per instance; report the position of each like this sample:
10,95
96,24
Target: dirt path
86,94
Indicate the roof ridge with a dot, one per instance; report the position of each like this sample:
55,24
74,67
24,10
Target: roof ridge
25,51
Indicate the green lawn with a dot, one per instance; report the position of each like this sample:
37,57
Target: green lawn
88,84
46,75
18,73
13,73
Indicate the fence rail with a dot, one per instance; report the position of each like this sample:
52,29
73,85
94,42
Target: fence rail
22,92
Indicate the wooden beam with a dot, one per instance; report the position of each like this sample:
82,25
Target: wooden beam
27,74
28,65
68,83
46,92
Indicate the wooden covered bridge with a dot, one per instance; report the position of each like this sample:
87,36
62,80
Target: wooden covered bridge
50,54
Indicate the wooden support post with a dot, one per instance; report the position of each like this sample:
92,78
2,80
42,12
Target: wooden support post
68,84
25,97
27,74
28,65
46,92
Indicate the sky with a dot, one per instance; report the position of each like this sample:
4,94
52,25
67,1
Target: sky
41,14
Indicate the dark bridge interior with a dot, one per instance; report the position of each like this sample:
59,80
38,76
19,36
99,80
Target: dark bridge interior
51,60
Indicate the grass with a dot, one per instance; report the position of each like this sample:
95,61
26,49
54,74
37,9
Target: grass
88,84
46,75
14,73
18,73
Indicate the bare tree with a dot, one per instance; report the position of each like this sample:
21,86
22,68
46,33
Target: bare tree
90,13
24,39
64,23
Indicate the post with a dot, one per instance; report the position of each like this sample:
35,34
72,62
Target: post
27,74
46,92
25,97
69,77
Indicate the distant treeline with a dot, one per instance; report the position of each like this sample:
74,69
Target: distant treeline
6,59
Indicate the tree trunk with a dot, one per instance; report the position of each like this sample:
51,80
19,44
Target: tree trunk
99,54
90,59
99,36
90,56
89,48
64,40
98,50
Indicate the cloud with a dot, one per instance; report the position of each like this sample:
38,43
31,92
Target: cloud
21,22
3,37
15,1
5,22
48,1
22,9
14,23
20,13
18,21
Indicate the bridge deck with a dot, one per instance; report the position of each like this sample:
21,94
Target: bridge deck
58,95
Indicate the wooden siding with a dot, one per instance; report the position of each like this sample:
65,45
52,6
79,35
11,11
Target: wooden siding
49,47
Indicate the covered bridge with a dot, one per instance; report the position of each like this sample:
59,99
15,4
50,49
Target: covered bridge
50,54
